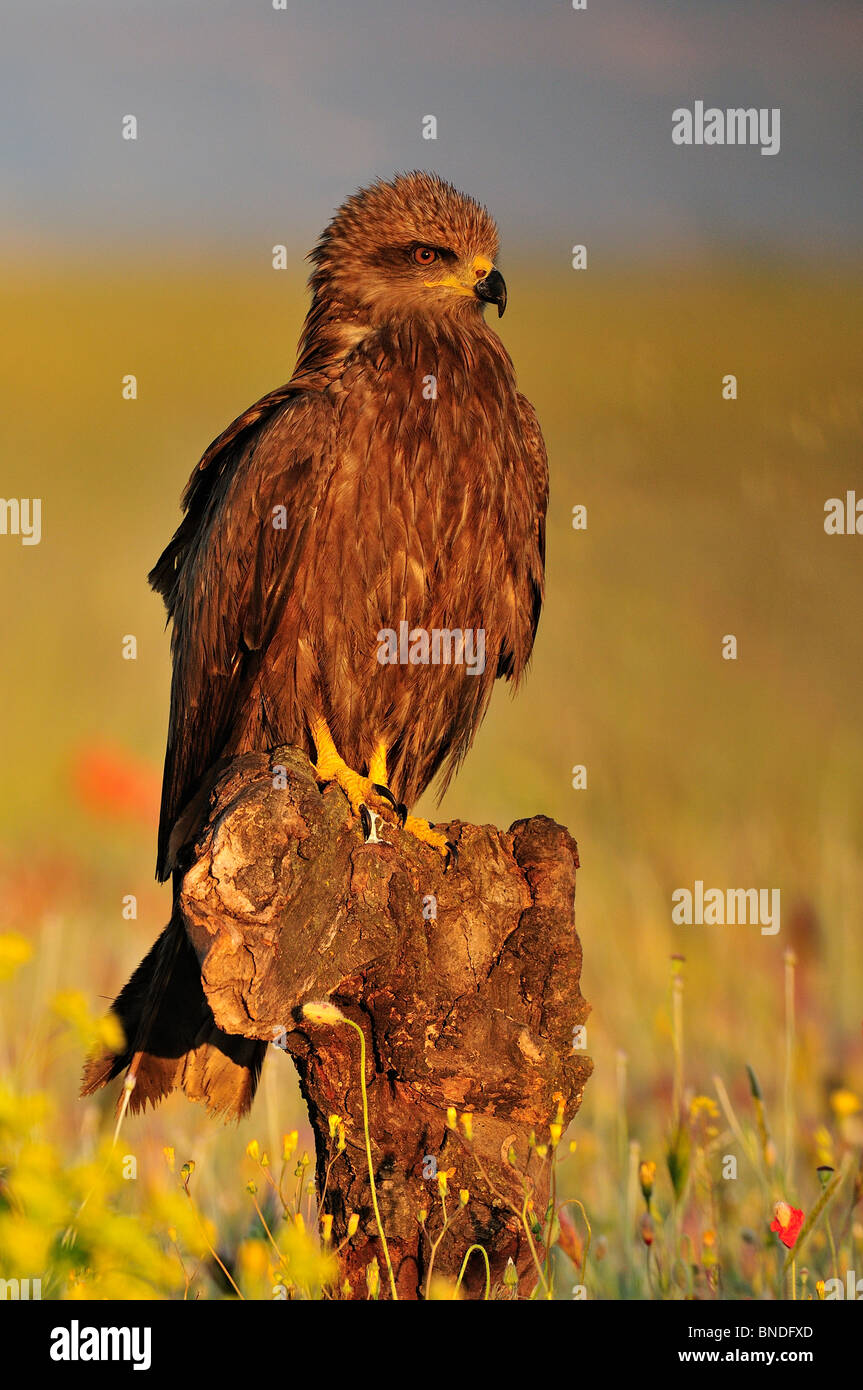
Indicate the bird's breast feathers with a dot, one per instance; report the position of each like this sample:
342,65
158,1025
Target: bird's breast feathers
430,409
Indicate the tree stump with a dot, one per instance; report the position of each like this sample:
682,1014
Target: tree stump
464,980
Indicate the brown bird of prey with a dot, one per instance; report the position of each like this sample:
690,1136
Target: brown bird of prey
396,485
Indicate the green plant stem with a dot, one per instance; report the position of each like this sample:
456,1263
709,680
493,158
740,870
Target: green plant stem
468,1254
357,1029
788,1090
211,1249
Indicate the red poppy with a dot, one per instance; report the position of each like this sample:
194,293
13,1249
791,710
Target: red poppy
114,784
786,1222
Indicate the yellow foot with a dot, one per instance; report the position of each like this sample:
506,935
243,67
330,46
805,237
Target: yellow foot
362,792
370,798
421,830
366,795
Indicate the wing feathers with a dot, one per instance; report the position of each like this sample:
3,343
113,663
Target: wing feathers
226,574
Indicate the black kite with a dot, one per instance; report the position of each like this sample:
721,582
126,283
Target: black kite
397,483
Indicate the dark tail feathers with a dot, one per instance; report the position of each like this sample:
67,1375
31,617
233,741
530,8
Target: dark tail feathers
172,1037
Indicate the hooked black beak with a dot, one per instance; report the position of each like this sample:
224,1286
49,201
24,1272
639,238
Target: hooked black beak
492,289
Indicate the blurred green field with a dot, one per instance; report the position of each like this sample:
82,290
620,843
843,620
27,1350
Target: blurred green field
705,517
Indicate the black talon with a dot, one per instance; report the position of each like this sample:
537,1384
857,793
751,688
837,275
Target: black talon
365,821
385,793
401,812
451,860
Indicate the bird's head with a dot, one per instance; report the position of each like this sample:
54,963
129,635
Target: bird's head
415,246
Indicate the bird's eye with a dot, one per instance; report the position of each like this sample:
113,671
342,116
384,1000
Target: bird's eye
424,255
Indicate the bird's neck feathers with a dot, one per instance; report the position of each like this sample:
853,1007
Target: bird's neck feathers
331,330
334,328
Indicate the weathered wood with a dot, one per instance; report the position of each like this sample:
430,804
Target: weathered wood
465,982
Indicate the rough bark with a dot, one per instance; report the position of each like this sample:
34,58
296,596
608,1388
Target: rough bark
464,980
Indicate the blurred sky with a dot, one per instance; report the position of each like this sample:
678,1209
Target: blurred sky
255,123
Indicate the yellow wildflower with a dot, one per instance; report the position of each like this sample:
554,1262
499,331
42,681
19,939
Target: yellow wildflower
844,1103
15,951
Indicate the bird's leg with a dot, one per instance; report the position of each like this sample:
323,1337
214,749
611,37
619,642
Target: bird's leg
378,764
414,825
371,793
